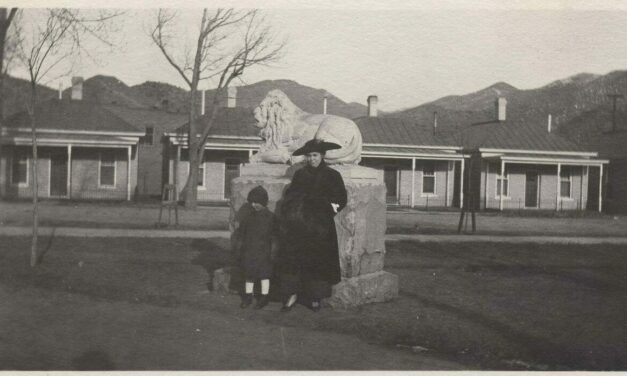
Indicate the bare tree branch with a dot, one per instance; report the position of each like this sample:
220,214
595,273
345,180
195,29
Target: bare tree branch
228,42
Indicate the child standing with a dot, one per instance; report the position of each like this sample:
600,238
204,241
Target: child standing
257,243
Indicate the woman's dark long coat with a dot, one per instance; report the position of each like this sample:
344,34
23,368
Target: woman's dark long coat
310,247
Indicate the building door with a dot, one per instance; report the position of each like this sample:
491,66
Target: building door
58,173
531,189
390,176
231,171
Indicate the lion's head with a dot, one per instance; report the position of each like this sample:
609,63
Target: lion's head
275,108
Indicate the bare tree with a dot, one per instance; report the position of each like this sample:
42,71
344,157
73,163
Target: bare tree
50,47
6,18
228,42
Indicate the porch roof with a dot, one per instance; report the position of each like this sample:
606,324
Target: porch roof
408,152
65,139
547,159
223,142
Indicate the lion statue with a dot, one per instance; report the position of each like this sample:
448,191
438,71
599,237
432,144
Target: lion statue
285,128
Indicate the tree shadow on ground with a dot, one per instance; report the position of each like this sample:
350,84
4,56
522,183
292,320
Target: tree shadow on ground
213,256
93,360
541,350
40,256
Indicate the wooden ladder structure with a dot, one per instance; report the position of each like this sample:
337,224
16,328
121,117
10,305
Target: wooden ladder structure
169,200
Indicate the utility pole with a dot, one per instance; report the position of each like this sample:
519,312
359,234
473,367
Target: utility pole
614,98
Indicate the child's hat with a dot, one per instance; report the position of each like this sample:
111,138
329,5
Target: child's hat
258,195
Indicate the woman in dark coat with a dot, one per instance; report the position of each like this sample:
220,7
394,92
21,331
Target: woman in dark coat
309,264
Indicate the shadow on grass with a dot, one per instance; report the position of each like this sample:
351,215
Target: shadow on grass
93,361
542,351
505,260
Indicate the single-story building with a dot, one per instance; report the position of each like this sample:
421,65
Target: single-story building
232,141
421,165
151,162
421,168
604,130
84,152
525,164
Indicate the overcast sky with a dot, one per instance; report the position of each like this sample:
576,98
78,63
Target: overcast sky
406,56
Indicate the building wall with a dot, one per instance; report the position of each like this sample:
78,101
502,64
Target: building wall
84,173
43,171
150,177
444,181
615,198
547,187
214,166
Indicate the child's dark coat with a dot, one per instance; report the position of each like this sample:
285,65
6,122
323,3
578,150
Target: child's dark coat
256,242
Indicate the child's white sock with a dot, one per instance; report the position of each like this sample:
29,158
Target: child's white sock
265,286
249,287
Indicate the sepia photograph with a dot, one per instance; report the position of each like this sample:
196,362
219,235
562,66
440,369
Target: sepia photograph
318,185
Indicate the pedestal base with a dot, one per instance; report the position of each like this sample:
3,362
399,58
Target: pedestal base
367,288
360,228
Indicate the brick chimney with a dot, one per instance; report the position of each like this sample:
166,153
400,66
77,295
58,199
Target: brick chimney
372,105
435,122
549,123
501,108
324,104
77,88
231,97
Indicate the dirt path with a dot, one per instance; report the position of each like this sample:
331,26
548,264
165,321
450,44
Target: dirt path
199,234
159,338
144,216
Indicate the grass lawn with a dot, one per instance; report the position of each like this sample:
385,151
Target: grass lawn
124,303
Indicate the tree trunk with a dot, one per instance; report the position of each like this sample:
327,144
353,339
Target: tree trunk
3,37
33,250
191,187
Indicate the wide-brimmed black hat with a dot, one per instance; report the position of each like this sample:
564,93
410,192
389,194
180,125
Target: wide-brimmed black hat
316,146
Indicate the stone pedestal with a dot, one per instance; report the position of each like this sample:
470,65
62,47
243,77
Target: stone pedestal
360,227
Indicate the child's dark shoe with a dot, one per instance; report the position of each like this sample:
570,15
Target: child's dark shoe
262,302
247,299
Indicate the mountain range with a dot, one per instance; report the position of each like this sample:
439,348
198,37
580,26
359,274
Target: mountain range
570,101
566,100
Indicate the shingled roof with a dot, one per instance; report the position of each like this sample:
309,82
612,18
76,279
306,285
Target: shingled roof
77,116
397,131
515,134
230,121
143,117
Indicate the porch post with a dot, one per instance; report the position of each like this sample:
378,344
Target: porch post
128,173
413,180
487,191
581,190
600,187
558,193
461,185
250,154
69,171
176,168
448,167
501,184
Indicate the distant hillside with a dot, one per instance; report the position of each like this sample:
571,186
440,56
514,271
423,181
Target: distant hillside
150,94
305,97
16,93
564,99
